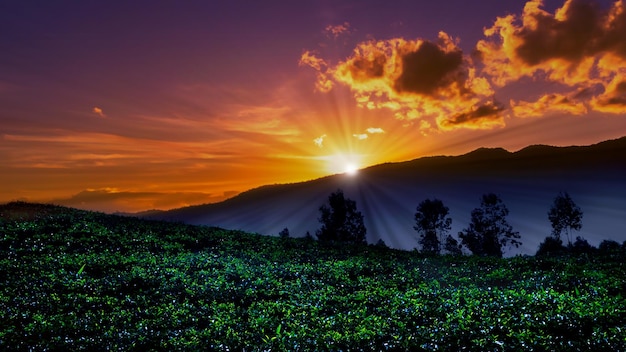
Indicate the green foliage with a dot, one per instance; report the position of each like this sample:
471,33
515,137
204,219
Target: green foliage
432,223
489,230
341,221
75,280
565,215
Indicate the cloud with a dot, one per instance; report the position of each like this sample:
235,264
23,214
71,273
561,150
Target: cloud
417,79
613,100
570,46
323,82
429,68
319,141
546,104
335,31
579,46
368,132
310,59
486,116
425,127
375,130
98,111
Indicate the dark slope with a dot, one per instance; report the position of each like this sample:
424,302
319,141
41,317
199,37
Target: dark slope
387,194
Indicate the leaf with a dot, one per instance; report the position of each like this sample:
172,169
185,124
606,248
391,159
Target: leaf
280,326
80,271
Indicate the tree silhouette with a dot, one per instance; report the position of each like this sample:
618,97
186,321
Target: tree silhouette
551,246
581,246
565,215
432,224
340,220
284,233
488,230
609,246
452,246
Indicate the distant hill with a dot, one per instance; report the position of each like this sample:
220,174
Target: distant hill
387,194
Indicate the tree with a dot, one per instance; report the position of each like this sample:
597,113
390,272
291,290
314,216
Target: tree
284,233
452,246
432,224
551,246
565,215
381,243
340,220
488,230
581,246
609,246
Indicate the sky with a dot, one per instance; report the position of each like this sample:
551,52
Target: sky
136,105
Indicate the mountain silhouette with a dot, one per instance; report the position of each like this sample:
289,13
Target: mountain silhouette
387,194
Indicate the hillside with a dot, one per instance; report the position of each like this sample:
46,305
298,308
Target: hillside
76,280
387,194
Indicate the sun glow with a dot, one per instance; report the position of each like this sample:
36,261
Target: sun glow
351,169
344,164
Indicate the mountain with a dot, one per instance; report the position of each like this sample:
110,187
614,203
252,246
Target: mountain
387,194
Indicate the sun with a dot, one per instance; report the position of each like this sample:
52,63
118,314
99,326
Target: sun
342,163
351,169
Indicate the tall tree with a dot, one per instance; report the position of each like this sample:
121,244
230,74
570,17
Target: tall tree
452,246
565,216
340,220
489,230
432,224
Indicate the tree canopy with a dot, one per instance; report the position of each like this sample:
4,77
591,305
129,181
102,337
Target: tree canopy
340,220
565,216
489,231
432,223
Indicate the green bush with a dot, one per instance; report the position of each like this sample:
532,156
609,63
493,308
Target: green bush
75,280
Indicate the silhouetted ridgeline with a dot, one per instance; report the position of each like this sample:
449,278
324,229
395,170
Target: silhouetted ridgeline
387,194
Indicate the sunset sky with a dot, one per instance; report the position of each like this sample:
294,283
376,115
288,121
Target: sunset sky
135,105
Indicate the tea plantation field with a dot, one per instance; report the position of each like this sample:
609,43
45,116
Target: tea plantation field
77,280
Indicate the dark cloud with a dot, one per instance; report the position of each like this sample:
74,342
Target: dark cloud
364,68
580,45
430,68
487,115
613,100
417,79
571,37
615,30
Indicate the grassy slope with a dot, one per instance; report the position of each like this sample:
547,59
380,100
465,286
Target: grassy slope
73,280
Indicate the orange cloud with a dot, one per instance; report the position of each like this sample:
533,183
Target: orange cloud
96,110
417,79
564,46
309,59
613,100
548,103
360,136
486,116
323,83
337,30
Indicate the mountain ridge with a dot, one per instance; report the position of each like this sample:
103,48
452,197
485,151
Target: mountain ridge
386,194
